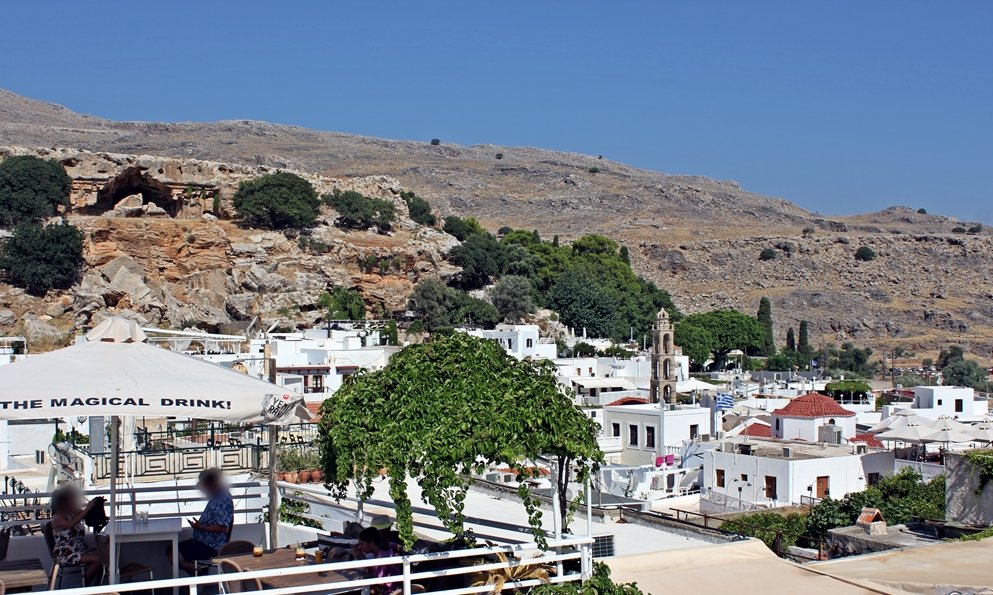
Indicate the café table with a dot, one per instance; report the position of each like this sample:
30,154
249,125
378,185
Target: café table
163,529
24,576
283,558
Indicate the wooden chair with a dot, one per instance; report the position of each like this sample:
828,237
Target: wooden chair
3,588
238,586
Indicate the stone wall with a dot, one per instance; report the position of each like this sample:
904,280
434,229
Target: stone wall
964,502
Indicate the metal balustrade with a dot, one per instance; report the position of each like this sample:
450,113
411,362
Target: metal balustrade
560,551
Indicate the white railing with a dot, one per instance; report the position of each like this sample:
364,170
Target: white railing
578,549
928,471
33,507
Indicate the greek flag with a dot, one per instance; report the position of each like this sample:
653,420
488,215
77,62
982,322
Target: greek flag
724,401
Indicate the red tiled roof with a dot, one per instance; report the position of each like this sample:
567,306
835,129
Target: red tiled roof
628,401
314,409
867,439
813,405
757,431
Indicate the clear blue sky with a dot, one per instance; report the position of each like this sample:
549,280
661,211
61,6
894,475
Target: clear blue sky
840,106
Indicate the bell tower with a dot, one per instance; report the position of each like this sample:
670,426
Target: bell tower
663,382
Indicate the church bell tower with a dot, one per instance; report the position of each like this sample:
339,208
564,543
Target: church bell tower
663,383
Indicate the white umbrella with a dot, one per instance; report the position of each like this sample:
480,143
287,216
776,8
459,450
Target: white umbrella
898,420
115,373
912,431
982,432
947,423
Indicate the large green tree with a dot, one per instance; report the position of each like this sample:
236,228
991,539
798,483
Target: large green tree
357,211
511,296
444,409
41,258
276,201
764,316
31,189
729,329
964,372
696,342
481,258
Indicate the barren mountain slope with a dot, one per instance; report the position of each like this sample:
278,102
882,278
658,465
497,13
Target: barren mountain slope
698,237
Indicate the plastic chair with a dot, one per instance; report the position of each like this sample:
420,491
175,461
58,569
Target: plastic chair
238,586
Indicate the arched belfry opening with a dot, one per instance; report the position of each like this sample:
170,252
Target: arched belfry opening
131,181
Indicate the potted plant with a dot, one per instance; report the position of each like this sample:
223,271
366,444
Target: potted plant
311,462
289,460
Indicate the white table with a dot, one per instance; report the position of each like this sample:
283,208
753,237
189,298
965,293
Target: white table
167,529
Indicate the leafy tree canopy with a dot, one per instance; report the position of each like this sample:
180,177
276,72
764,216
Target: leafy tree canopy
41,258
964,373
511,296
439,306
481,257
31,189
420,209
461,228
696,342
729,329
356,211
443,409
276,201
342,304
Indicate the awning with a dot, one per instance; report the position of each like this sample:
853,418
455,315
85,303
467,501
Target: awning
114,373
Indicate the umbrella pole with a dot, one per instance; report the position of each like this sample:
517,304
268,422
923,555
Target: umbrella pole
115,452
273,488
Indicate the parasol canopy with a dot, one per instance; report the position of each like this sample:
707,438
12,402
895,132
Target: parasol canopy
114,372
912,431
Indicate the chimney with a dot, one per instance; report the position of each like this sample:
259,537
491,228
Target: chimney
871,521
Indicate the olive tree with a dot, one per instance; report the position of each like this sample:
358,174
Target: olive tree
444,409
31,189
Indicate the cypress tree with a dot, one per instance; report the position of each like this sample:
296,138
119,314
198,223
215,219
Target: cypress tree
790,340
624,255
765,319
803,344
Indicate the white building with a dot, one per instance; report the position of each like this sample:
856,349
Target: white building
647,432
750,471
954,401
813,418
520,340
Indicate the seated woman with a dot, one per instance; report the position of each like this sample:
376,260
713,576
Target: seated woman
68,511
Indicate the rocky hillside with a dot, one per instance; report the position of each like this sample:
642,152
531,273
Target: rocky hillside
697,237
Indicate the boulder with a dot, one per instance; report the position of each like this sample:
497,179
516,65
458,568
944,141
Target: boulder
7,318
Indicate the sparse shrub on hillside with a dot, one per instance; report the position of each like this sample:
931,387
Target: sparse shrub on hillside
594,170
768,254
31,189
41,258
435,142
356,211
958,229
342,304
499,155
277,201
808,231
975,229
420,209
865,254
922,211
503,231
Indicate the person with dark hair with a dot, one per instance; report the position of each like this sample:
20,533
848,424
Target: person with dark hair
372,545
68,511
213,529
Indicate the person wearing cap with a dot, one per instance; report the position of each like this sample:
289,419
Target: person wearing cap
384,525
213,529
